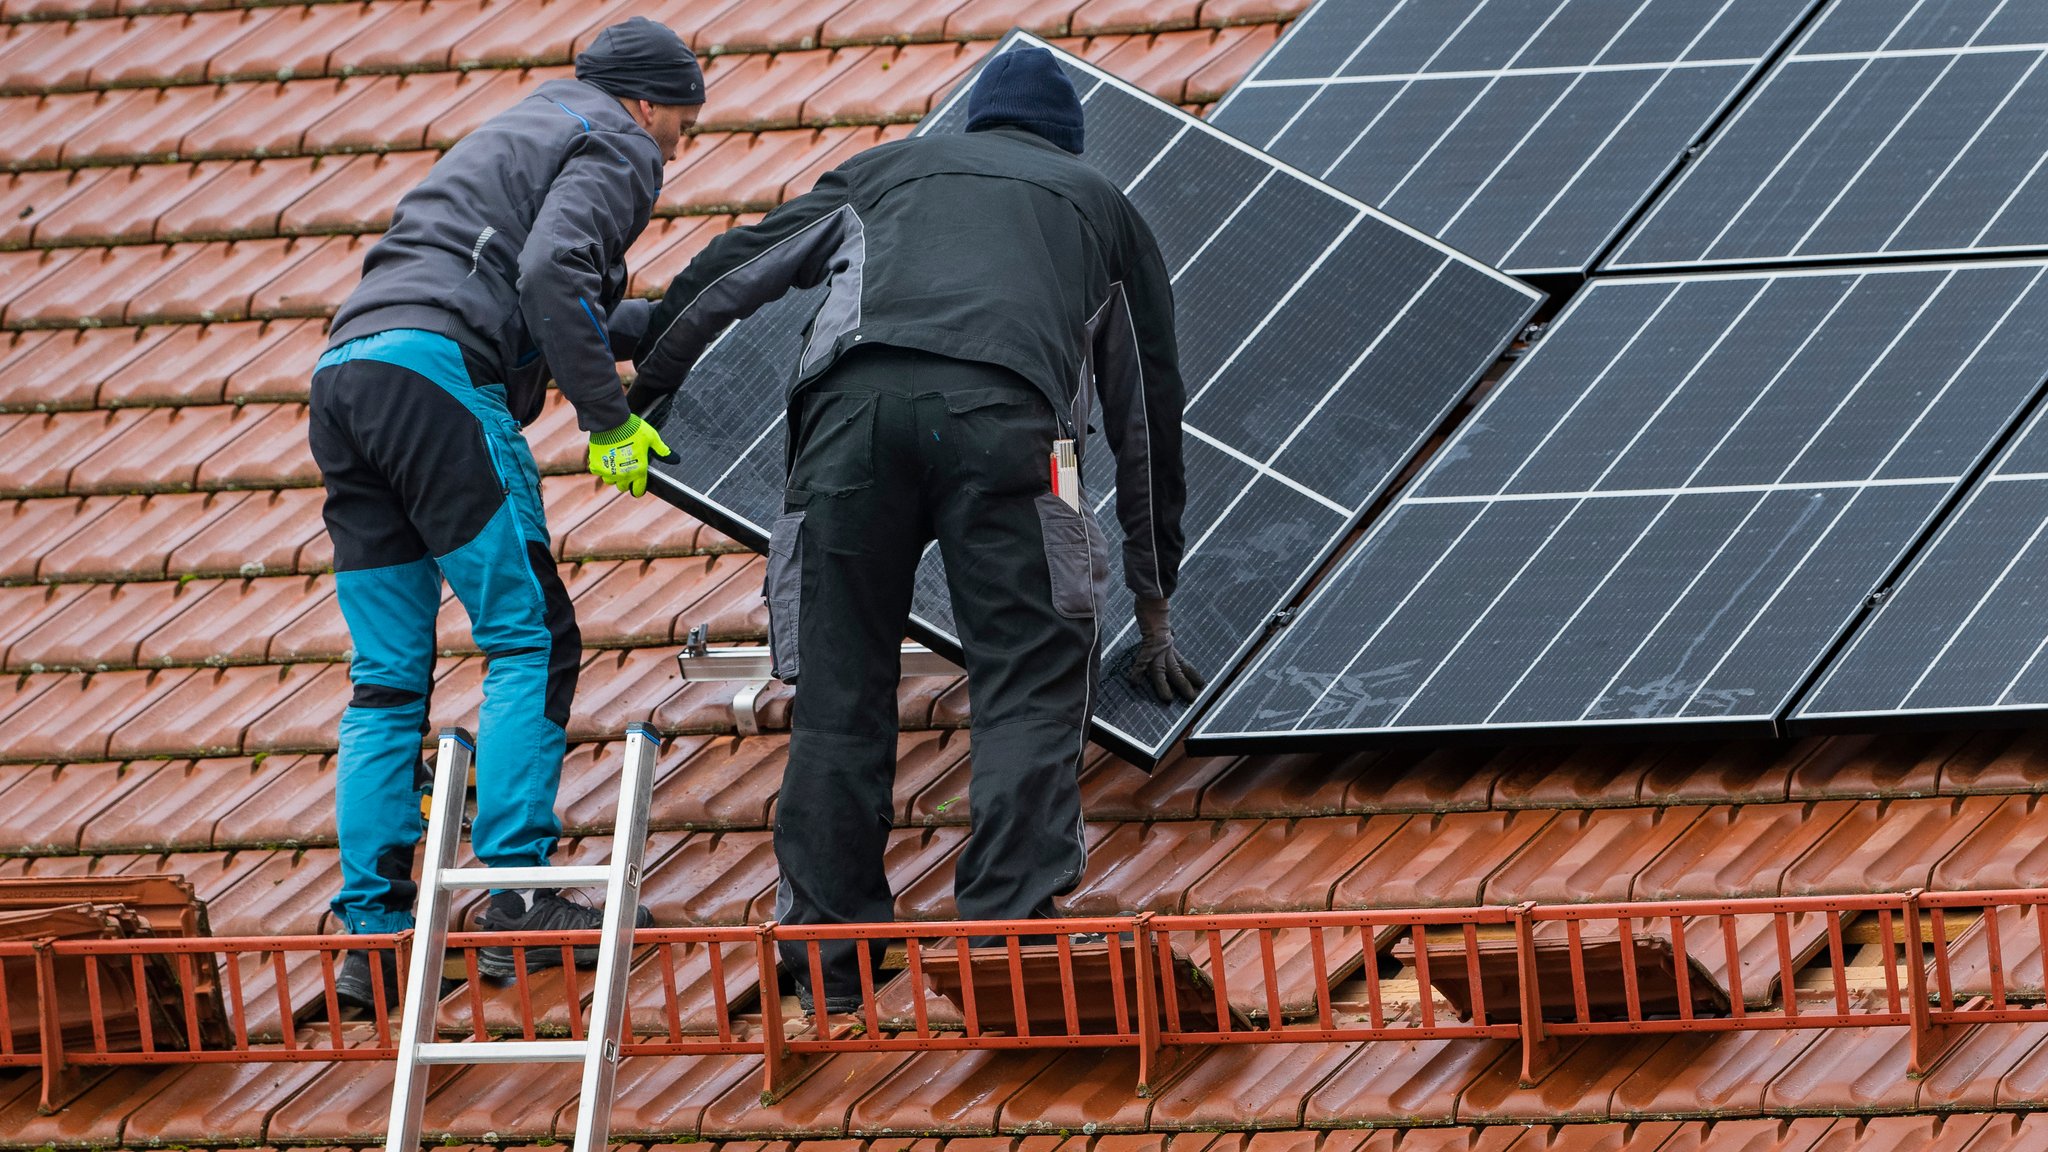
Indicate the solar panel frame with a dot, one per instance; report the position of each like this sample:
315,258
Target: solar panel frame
1824,129
928,626
1709,108
1237,724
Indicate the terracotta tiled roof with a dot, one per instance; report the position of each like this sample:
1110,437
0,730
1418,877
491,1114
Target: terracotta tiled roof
188,192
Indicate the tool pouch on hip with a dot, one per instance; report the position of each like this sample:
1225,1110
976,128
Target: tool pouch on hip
1075,557
784,590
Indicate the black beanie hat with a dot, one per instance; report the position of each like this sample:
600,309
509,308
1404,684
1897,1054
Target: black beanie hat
1027,88
638,59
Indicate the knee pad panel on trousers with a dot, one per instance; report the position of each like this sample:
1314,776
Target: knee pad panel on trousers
565,640
380,696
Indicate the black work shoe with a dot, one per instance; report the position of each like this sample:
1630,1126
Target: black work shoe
507,912
352,984
834,1005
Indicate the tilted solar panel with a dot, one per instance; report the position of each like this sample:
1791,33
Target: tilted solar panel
1893,128
1321,343
1524,133
1964,631
1667,515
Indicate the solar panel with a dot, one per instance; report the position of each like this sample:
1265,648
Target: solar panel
1667,515
1525,132
1321,342
1964,631
1910,128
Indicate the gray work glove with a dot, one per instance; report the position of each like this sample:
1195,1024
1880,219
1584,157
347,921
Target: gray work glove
1158,665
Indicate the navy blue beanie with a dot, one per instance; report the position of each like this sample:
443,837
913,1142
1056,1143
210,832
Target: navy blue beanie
638,59
1027,88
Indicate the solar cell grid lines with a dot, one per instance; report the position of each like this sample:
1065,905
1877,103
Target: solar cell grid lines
1892,128
1965,629
1524,133
1321,343
1668,514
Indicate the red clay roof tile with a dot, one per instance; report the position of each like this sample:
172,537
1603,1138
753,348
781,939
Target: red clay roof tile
185,363
1588,855
526,33
515,1101
917,76
667,1095
248,534
26,472
375,114
1848,1069
94,1116
237,622
34,129
29,528
162,449
47,810
1968,1076
1394,1083
173,48
754,92
53,56
1220,12
1433,861
279,368
272,453
293,805
1577,1088
1278,786
316,284
304,721
1097,17
1866,765
176,808
27,198
1249,1086
1736,851
295,43
24,272
103,628
242,198
152,125
138,537
415,35
1115,789
818,1104
121,208
217,1103
361,200
989,19
888,21
1886,846
1286,865
68,369
767,26
956,1093
96,287
25,608
743,172
210,713
1152,867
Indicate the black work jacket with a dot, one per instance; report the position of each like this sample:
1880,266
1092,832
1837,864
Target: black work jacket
996,247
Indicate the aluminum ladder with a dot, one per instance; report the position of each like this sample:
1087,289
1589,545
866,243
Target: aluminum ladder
598,1051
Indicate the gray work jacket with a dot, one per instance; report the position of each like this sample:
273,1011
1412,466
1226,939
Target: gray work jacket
514,246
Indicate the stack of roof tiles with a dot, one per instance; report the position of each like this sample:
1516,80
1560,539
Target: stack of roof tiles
189,191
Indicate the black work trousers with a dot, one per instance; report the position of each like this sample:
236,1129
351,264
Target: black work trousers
894,449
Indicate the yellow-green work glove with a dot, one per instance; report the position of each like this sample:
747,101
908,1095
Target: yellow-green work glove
620,457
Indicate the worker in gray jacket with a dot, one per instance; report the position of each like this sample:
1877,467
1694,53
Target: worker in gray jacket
503,268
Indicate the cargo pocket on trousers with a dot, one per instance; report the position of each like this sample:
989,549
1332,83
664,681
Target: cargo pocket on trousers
1069,557
784,590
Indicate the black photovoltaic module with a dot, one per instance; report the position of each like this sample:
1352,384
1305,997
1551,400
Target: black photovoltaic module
1321,343
1666,516
1894,128
1525,133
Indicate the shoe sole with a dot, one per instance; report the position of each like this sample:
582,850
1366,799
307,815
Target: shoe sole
498,964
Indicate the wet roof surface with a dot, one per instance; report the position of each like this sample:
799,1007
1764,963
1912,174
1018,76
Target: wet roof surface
187,195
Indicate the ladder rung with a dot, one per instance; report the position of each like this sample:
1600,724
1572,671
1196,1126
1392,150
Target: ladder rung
504,1052
586,875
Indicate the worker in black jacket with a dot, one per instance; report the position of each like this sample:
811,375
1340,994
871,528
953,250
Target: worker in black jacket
981,288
